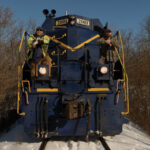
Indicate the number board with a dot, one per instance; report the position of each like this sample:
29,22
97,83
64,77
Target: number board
83,22
61,22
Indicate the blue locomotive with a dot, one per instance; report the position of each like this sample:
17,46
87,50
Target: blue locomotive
79,96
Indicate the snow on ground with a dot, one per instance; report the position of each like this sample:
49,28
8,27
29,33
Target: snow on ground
131,138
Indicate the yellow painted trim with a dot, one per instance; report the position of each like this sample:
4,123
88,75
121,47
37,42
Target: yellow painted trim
22,114
47,90
26,57
123,61
125,76
118,97
24,81
20,46
64,35
19,76
98,89
61,43
27,97
76,47
86,42
18,101
119,80
60,27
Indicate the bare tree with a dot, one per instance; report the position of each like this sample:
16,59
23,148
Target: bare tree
138,68
10,35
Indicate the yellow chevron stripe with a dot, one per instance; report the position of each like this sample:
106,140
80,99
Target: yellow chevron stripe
61,43
86,42
76,47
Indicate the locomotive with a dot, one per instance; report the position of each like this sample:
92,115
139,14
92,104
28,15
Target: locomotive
78,96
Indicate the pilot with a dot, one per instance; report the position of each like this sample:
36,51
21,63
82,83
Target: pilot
107,42
38,46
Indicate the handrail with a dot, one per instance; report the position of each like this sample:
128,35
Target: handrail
26,57
27,97
126,79
125,76
117,89
29,87
19,76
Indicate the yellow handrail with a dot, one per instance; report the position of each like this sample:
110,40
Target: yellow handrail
27,97
125,76
26,57
29,87
19,75
117,89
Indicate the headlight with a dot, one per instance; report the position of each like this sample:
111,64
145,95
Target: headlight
42,70
103,70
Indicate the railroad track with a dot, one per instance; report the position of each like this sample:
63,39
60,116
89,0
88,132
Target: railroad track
103,141
43,144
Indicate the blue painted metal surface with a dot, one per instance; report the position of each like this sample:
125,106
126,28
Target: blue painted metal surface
72,76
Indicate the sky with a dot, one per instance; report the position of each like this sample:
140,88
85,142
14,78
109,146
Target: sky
120,14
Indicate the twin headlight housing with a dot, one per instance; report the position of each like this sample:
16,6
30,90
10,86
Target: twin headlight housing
43,70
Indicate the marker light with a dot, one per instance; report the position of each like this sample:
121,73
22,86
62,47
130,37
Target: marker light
72,22
72,17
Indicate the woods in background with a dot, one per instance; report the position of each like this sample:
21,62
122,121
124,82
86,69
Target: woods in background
137,57
10,34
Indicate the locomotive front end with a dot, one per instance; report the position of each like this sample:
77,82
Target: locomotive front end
76,95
